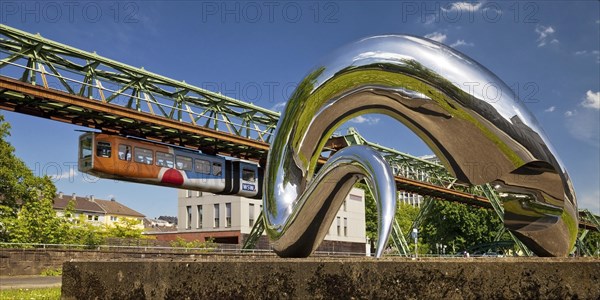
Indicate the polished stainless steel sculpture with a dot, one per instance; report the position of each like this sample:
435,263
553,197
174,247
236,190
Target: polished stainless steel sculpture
471,120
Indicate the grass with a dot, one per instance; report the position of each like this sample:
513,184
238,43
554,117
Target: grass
43,293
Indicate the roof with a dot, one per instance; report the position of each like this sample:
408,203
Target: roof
112,207
81,204
85,204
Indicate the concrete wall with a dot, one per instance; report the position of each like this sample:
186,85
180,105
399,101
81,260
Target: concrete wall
34,261
314,278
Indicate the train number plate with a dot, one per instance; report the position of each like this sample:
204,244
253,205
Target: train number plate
248,187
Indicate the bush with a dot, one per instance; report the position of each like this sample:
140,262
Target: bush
52,272
181,243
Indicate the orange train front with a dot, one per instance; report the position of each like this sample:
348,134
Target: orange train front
111,156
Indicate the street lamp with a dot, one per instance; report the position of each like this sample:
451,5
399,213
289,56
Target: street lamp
415,234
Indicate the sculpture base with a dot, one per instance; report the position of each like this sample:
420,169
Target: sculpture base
268,277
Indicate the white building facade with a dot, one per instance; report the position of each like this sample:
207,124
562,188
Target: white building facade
229,219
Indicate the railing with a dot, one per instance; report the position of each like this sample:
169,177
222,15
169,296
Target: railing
222,249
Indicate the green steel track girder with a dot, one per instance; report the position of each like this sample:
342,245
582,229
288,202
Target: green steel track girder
29,58
255,233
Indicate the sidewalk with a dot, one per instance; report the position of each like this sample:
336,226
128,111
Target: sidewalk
29,282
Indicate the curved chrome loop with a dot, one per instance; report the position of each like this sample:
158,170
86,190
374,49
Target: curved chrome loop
471,120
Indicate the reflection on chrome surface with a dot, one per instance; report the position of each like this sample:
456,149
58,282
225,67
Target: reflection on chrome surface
471,120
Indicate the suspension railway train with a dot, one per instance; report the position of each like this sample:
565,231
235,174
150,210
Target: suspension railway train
127,159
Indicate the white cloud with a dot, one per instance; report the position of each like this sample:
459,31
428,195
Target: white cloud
464,6
585,127
546,35
278,107
365,120
593,53
592,100
436,36
590,200
550,109
459,43
71,173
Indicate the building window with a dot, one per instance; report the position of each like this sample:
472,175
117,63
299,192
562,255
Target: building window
199,225
345,226
95,218
188,220
251,215
198,194
113,218
227,214
89,217
345,202
216,212
188,193
355,197
339,226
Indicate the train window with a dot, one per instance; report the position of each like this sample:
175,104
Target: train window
144,156
216,169
202,166
164,159
86,147
124,152
248,175
103,149
184,163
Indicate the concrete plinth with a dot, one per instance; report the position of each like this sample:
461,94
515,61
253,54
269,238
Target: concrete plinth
362,278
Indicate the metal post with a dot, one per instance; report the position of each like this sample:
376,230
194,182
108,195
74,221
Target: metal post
415,234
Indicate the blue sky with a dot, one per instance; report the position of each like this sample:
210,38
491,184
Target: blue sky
548,52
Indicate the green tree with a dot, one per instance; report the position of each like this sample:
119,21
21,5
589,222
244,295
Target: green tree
37,222
459,226
592,242
81,232
126,228
25,199
370,213
406,215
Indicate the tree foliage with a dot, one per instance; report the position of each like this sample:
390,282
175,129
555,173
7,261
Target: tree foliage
406,215
592,242
459,226
25,200
26,208
456,225
125,228
370,213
